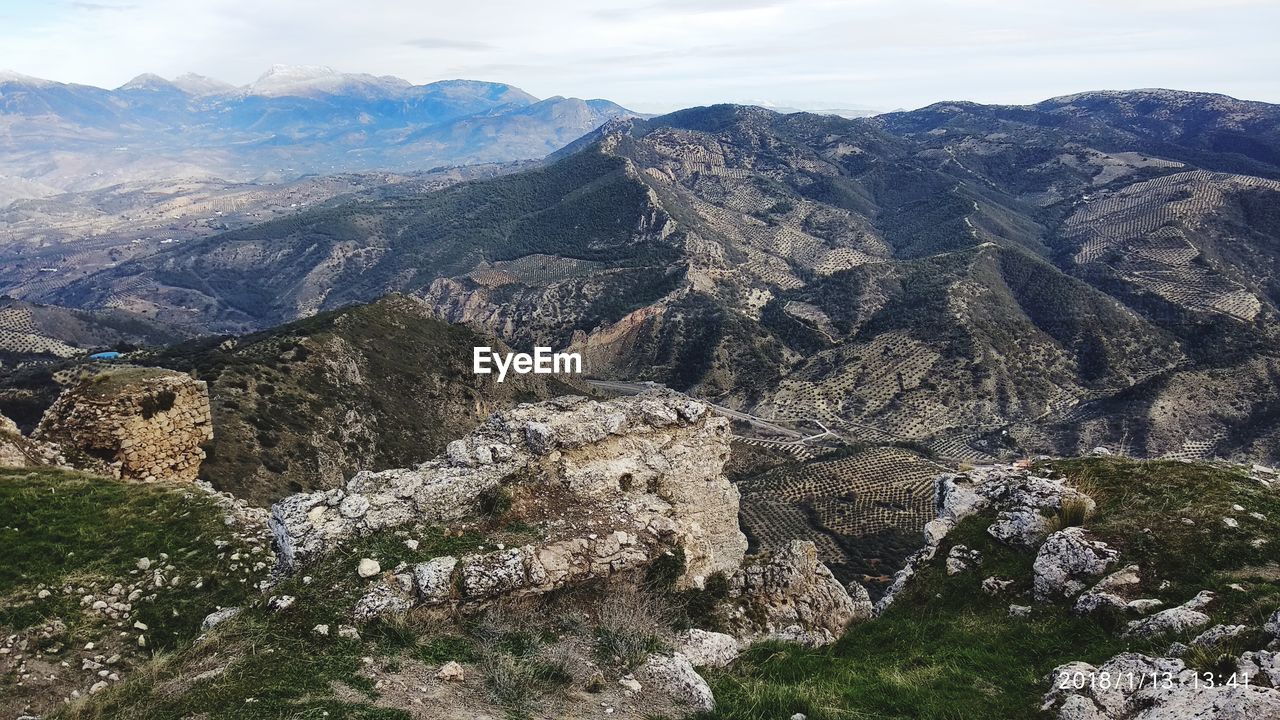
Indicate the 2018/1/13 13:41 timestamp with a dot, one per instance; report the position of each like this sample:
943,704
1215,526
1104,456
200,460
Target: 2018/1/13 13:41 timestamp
1131,681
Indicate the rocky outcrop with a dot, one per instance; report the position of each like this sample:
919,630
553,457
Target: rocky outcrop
137,423
1024,505
627,488
1187,616
1067,561
789,594
17,450
647,468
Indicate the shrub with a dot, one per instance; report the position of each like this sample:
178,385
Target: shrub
1075,511
160,402
630,625
496,501
665,570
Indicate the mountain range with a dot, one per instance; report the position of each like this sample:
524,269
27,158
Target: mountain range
938,275
291,122
1097,269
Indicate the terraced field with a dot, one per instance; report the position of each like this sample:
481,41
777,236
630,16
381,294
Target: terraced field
861,508
1152,233
20,336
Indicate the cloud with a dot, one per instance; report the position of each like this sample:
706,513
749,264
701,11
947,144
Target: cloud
429,43
100,7
813,53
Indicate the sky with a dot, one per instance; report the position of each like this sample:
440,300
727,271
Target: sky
659,55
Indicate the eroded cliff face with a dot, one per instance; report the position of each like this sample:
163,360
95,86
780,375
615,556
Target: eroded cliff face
646,472
132,423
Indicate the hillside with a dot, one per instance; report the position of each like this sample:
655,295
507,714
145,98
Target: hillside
30,331
980,279
952,644
305,405
56,239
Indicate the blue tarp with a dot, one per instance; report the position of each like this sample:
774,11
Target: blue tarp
105,356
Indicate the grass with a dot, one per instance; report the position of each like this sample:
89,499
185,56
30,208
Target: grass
946,650
61,527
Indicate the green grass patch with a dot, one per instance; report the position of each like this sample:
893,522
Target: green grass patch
61,527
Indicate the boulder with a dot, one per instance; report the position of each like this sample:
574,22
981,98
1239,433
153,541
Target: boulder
1272,625
674,676
708,649
1067,561
1186,616
216,618
1260,664
1219,634
451,672
1111,592
393,596
961,559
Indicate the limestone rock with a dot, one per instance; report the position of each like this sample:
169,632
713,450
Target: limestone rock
1179,699
1272,626
386,597
216,618
788,589
1067,560
17,450
653,462
1260,664
1112,592
1218,634
1092,602
451,672
708,649
674,675
435,579
368,568
1186,616
935,530
1121,582
961,559
994,585
1024,500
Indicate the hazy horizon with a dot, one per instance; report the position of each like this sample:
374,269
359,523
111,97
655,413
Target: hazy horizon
808,54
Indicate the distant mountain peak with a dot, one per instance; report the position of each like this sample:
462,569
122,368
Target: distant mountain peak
201,84
304,80
9,76
148,81
295,73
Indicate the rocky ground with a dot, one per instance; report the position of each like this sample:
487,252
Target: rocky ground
579,558
146,561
